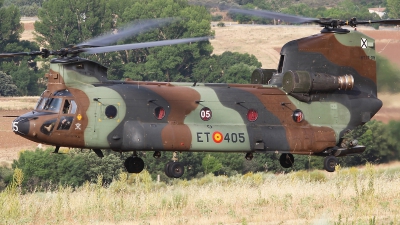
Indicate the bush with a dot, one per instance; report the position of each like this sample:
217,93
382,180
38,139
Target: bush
216,18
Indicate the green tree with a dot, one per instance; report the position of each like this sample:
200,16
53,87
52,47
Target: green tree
379,143
169,63
7,87
211,164
62,23
229,67
23,72
393,9
10,27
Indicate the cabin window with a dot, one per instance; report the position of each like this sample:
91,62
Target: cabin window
280,66
111,112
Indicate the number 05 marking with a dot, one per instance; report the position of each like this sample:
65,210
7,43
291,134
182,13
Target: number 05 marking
205,114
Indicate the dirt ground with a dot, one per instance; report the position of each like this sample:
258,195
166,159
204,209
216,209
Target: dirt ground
264,42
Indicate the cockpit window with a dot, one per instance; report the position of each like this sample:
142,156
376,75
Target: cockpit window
41,103
53,104
63,93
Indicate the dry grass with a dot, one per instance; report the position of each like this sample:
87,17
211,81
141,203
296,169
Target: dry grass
349,196
390,100
18,103
259,40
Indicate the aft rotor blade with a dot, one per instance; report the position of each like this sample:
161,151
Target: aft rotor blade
127,31
142,45
275,15
392,22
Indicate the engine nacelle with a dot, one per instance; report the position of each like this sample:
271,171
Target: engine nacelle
304,82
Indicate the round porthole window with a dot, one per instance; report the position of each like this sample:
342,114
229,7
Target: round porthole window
159,112
111,112
298,116
252,115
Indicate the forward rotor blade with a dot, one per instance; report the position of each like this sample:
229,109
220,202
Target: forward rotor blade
127,31
7,55
275,15
142,45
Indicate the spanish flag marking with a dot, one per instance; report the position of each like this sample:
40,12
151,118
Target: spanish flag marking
217,137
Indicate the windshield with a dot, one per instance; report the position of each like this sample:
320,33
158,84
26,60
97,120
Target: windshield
41,103
53,104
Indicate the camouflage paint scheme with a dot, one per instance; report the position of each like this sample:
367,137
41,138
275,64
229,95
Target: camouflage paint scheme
327,114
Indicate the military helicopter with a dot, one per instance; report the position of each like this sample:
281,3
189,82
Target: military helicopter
323,87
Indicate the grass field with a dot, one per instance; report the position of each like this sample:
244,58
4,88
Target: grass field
348,196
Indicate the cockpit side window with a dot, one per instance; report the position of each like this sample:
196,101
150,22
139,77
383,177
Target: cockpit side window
73,107
280,66
66,106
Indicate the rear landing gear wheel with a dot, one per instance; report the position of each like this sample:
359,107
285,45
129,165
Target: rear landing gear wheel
134,164
166,169
176,169
286,160
330,163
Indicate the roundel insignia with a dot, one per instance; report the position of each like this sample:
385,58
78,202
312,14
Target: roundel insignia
217,137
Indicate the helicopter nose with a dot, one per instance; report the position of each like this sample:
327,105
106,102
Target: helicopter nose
21,126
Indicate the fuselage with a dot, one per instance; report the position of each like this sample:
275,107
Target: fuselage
82,109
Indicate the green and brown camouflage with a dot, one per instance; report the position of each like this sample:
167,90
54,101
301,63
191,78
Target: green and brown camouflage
323,87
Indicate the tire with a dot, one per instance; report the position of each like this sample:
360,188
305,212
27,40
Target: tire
166,169
286,160
134,164
176,169
330,163
138,164
129,164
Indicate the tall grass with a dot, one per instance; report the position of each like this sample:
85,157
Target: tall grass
349,196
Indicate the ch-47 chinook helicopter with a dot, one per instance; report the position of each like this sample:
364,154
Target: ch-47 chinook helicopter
323,87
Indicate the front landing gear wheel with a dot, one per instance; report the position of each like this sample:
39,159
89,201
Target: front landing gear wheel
134,164
286,160
330,163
